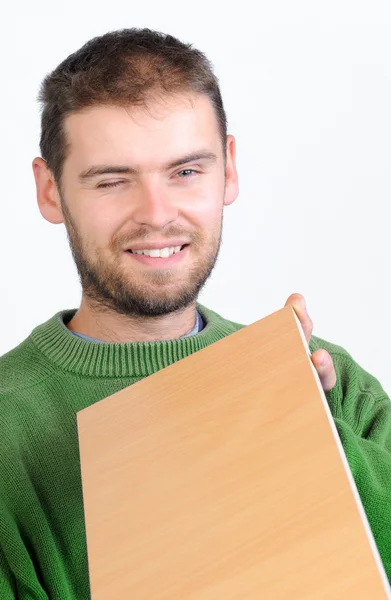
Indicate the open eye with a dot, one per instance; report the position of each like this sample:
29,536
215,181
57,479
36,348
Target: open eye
186,173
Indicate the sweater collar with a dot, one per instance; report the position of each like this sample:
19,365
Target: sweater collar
136,359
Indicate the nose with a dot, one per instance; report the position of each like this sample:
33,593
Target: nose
153,207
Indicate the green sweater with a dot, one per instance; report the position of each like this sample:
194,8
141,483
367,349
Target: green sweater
53,374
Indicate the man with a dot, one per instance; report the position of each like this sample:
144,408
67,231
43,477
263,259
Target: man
137,163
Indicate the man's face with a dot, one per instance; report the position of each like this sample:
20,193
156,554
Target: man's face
150,180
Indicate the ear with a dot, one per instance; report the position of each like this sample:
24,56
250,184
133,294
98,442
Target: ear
231,174
48,198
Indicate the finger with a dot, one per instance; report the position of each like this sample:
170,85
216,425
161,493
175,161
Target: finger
298,304
324,366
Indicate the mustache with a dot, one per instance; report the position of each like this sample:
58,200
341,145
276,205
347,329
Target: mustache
124,240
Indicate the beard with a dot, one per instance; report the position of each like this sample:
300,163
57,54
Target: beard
153,293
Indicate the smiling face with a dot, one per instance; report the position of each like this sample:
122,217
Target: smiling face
142,198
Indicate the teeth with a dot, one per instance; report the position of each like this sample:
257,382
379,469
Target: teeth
155,253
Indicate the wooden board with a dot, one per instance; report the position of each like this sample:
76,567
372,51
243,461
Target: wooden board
222,477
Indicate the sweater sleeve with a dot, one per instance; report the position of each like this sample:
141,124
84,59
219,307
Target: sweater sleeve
7,587
362,414
18,577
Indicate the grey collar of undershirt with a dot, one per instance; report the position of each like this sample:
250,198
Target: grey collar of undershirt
196,329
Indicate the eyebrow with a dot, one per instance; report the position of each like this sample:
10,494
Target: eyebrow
106,169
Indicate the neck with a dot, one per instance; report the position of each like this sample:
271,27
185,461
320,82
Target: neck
108,326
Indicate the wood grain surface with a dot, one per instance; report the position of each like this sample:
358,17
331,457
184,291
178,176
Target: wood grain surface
221,478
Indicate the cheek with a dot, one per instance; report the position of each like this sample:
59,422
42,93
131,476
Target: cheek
210,214
99,224
205,207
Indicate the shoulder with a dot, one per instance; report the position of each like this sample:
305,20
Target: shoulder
22,367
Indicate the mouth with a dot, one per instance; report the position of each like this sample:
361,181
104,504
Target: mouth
159,257
158,252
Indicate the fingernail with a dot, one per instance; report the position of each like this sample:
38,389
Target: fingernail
325,360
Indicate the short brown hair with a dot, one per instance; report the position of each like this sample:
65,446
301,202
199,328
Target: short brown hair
121,68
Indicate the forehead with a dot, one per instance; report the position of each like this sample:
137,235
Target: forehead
149,135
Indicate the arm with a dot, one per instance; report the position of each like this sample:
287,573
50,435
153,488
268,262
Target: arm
362,414
7,582
18,579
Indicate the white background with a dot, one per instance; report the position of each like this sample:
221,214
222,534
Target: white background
307,89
